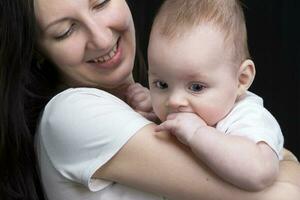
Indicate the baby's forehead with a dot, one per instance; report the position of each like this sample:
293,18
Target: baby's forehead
179,32
196,74
198,34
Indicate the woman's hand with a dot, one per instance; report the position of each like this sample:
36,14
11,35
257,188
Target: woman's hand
289,156
290,169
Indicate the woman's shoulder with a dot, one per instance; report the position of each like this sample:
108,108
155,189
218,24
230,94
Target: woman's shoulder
81,129
87,109
74,99
82,93
83,109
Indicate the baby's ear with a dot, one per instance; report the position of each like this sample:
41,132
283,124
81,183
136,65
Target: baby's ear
246,76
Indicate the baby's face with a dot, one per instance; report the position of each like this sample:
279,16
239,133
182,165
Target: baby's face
192,73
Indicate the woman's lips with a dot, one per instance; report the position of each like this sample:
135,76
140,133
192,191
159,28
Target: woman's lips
110,60
106,57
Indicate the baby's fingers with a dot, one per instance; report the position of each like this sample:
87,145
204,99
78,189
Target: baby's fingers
140,96
134,88
159,128
136,93
165,126
150,116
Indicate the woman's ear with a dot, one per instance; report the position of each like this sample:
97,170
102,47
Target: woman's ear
246,76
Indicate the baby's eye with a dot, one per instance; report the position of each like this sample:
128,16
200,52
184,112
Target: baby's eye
160,84
196,87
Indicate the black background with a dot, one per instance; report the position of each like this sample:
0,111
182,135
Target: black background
273,38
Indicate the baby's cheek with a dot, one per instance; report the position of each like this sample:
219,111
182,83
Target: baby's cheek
212,115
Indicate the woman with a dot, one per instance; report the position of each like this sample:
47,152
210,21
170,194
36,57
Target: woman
66,93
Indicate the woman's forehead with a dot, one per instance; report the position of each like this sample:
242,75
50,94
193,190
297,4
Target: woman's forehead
48,11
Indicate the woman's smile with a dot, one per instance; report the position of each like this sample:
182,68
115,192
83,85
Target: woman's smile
110,60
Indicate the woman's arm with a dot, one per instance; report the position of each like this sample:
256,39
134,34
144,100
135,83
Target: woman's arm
157,162
230,156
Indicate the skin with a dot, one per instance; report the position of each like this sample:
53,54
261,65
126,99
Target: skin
138,97
96,32
192,88
74,33
185,77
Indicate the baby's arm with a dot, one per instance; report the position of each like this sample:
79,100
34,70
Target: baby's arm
236,159
138,97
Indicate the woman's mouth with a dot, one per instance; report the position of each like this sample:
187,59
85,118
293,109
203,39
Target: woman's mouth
106,57
110,60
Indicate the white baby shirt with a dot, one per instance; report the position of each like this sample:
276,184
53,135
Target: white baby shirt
250,119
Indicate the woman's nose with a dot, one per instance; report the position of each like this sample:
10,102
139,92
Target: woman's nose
100,36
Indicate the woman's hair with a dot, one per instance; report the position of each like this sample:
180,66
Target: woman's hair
175,17
19,93
27,83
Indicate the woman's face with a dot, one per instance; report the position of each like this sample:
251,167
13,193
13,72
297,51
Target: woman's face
92,42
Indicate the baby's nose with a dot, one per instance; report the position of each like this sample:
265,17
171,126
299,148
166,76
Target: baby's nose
176,101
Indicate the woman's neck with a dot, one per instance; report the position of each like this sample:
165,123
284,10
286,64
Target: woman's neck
121,90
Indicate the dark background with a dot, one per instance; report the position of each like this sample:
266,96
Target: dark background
273,38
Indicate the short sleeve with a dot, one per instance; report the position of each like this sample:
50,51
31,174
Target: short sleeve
251,120
81,129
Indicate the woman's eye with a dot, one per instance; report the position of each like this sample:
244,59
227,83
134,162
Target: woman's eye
196,87
100,4
66,34
160,84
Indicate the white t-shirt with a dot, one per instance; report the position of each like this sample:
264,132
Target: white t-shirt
250,119
80,130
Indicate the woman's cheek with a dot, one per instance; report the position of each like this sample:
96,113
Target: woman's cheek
68,53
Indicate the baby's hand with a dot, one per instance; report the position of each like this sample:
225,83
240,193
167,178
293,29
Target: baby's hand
138,97
182,125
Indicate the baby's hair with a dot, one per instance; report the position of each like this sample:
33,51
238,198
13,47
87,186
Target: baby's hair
175,17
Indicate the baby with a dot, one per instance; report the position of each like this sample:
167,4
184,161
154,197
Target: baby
199,74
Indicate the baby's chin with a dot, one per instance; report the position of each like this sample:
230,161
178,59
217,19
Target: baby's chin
212,123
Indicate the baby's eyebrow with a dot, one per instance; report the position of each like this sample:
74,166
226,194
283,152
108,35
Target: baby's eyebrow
194,76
